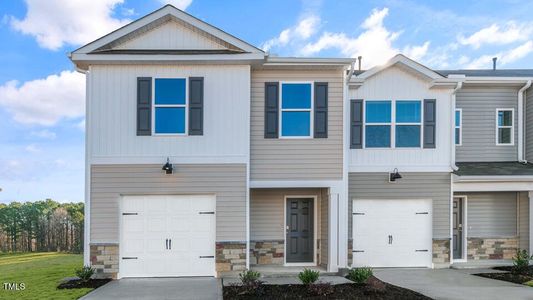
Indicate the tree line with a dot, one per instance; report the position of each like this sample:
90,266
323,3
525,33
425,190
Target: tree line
41,226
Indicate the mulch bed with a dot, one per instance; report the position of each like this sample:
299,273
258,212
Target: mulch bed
373,289
78,284
509,276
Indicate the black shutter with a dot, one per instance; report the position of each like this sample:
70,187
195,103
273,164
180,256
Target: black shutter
196,105
321,110
430,122
356,124
144,105
271,109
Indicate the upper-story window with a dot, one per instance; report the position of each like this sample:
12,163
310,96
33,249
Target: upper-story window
504,127
408,124
170,106
459,127
402,131
296,110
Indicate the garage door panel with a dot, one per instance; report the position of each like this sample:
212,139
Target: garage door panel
388,233
177,219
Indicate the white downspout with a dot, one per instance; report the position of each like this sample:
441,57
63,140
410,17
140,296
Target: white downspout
452,134
521,121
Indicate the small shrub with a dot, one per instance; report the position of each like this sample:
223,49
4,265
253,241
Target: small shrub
360,275
521,261
249,277
85,273
321,289
308,276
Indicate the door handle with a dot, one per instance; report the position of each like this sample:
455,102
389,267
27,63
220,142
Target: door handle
169,244
391,239
166,244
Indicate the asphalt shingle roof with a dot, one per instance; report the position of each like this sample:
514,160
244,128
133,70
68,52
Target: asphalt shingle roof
494,169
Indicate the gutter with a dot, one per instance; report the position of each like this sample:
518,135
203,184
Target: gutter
521,122
452,127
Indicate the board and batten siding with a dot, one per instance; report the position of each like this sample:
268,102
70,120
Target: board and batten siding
112,116
434,186
523,221
110,182
479,106
397,84
491,215
528,114
297,159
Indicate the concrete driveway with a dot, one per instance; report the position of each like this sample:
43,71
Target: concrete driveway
454,284
191,288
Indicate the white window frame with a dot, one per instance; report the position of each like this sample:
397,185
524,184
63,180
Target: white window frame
511,127
393,124
310,110
186,106
460,127
421,141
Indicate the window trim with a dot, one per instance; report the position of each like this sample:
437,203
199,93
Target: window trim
186,106
393,124
460,127
511,127
310,110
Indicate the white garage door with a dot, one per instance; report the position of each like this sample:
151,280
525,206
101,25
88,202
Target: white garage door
392,233
165,236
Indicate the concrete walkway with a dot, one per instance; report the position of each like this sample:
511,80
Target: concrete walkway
192,288
454,284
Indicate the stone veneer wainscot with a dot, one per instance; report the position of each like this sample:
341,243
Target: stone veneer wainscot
230,257
441,251
492,248
268,252
104,259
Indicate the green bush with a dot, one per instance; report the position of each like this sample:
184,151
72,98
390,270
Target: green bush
521,261
249,277
360,275
85,273
308,276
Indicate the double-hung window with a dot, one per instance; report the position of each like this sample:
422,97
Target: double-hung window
296,110
408,123
170,106
504,127
458,127
378,124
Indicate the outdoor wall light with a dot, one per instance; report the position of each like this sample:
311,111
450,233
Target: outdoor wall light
168,167
394,175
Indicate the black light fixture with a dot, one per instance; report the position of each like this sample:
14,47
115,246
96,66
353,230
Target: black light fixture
168,167
394,175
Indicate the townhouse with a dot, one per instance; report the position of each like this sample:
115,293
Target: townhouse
206,156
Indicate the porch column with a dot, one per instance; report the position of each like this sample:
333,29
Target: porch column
530,195
337,228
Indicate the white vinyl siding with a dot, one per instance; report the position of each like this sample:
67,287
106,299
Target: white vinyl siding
111,116
226,181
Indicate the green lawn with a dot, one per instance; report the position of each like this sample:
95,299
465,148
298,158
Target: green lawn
40,273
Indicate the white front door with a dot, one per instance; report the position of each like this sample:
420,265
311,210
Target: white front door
392,233
166,236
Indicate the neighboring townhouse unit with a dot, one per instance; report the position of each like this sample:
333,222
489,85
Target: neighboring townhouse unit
206,155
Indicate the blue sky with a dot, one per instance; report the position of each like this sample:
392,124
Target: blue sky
42,97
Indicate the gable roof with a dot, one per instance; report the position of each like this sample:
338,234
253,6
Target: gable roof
226,46
404,61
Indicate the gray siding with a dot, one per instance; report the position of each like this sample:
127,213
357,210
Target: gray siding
491,215
435,186
529,124
523,221
479,106
226,181
267,211
296,159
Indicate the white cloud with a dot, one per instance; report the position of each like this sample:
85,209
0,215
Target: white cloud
302,31
33,148
45,101
181,4
44,134
55,23
374,44
498,35
504,58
